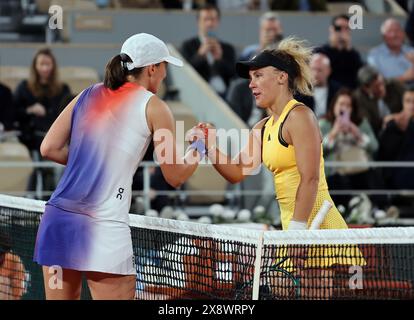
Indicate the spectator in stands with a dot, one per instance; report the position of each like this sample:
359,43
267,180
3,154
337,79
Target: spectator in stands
397,143
393,58
12,272
345,60
377,97
298,5
6,108
38,102
212,58
38,99
347,137
324,88
270,33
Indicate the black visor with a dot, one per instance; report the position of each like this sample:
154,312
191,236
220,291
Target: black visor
263,59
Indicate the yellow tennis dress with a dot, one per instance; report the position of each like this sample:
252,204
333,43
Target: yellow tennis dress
281,161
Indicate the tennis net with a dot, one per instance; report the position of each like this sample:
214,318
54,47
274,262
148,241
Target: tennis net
186,260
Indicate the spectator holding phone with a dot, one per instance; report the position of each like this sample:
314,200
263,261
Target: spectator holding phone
347,137
345,60
213,59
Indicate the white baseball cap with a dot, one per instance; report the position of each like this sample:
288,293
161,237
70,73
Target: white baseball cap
144,49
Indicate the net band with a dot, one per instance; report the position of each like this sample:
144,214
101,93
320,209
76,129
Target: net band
187,260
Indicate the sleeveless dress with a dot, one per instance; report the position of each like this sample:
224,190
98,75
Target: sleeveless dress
85,225
280,159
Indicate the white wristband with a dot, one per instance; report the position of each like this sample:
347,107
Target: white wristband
297,225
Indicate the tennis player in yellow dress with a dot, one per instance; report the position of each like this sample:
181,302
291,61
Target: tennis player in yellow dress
289,143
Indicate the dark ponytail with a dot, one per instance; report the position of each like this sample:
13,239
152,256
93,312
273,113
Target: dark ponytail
115,75
116,71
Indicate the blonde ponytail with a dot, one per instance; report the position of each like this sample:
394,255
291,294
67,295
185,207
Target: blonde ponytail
300,55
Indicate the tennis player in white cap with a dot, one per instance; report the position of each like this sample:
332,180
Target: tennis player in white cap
101,137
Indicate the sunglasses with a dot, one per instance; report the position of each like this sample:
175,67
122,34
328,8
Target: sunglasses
339,28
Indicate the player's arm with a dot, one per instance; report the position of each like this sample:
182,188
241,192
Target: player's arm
175,169
249,159
54,146
304,134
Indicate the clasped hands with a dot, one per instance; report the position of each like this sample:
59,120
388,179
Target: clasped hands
204,132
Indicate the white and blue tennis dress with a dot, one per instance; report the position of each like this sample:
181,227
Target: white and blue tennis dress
85,225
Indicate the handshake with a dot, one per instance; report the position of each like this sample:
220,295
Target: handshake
202,138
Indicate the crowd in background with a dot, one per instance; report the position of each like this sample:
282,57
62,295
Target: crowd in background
303,5
364,106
